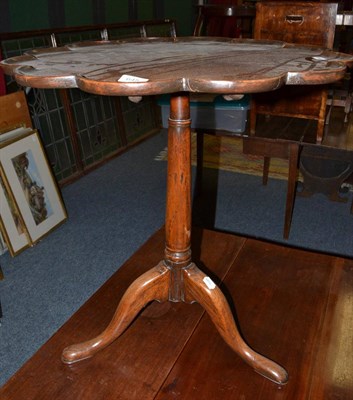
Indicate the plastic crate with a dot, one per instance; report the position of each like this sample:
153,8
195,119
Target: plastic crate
217,113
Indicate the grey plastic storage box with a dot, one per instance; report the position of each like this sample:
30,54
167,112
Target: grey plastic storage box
219,114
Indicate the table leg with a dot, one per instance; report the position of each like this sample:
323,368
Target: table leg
177,278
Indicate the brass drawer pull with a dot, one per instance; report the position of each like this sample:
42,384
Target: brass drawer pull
295,19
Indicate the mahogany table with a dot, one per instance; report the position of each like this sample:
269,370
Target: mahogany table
141,67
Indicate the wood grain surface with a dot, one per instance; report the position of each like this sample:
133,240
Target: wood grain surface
293,306
192,64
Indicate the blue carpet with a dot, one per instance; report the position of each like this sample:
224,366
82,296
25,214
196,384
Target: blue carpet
112,211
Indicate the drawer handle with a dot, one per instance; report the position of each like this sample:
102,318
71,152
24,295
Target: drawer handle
294,19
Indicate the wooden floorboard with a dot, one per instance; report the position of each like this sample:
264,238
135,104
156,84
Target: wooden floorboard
293,306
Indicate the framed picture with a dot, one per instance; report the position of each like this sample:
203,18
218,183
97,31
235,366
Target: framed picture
28,176
13,132
3,246
11,224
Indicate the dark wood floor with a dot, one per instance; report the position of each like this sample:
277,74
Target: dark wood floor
293,306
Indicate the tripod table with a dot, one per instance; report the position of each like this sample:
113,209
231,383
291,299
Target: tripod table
141,67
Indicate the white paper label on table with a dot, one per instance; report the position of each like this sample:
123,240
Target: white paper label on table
131,78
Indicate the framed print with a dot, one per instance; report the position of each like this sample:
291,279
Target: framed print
13,133
3,246
32,184
11,223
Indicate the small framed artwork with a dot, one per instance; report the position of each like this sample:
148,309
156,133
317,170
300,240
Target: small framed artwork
11,224
29,178
3,246
13,133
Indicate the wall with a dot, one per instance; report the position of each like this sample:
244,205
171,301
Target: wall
22,15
